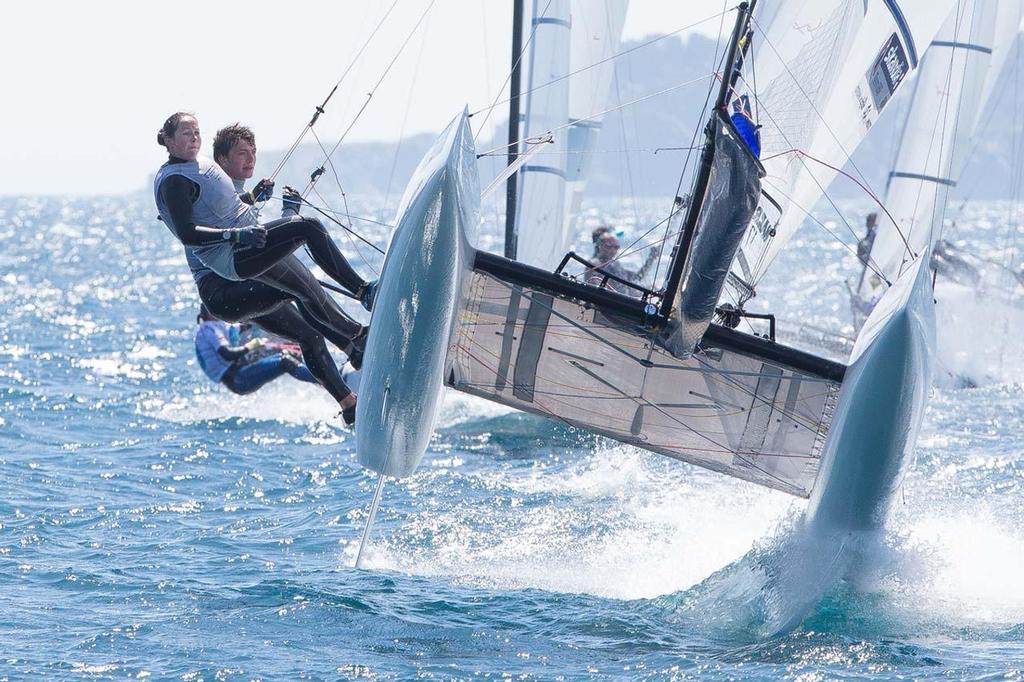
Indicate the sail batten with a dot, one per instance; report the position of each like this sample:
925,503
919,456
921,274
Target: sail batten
576,37
933,145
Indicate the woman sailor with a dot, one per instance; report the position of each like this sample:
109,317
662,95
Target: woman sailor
198,203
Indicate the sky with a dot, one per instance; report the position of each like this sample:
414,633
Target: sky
88,84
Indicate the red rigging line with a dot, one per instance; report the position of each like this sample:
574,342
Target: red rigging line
867,190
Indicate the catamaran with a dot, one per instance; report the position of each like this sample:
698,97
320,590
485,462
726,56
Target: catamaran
666,369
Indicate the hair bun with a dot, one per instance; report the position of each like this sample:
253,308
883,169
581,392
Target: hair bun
160,138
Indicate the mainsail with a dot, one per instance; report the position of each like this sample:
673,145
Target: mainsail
946,100
825,71
575,37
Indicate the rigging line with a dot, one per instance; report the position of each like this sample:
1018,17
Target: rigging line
369,95
595,151
1017,175
980,133
334,171
952,142
354,217
583,391
344,198
551,309
320,109
602,61
871,264
803,155
575,406
533,140
600,114
696,131
628,252
800,89
794,416
492,201
354,244
764,254
622,132
718,375
342,225
405,116
515,65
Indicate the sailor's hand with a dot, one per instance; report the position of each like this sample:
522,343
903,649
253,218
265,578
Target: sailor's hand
291,201
263,190
254,235
253,344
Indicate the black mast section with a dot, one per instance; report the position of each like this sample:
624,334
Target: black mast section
682,246
512,185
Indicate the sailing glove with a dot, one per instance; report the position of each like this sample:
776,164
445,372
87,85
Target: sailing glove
263,190
254,235
291,202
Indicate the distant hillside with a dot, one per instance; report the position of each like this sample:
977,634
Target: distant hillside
625,162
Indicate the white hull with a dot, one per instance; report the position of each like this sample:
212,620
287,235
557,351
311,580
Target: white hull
881,405
416,306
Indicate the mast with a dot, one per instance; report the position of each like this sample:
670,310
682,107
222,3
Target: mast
682,246
512,185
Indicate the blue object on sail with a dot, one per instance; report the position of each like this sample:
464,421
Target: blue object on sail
742,120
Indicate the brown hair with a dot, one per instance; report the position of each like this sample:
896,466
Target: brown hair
226,138
171,126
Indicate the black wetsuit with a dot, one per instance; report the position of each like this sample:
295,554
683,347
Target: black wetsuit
281,294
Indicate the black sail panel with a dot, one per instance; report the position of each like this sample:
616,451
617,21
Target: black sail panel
734,186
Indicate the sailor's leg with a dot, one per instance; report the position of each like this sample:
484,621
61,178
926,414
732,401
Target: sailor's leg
252,377
340,338
286,322
295,279
301,372
234,301
284,236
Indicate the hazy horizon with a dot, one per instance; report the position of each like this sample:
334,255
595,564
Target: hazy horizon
263,66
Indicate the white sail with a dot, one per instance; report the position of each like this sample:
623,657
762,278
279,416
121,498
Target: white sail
825,72
1007,29
541,201
569,37
933,145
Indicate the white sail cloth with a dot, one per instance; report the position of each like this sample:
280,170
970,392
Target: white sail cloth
568,35
825,70
933,145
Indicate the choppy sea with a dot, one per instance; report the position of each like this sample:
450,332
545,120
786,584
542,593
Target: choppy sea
154,526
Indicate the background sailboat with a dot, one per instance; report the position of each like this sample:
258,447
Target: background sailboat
569,50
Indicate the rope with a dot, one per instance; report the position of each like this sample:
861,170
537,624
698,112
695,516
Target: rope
598,63
804,155
532,140
320,109
526,46
369,95
696,131
342,225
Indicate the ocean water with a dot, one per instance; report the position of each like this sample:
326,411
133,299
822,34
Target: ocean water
153,526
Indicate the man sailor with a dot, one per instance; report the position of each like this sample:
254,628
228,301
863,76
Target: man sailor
606,250
868,241
246,271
